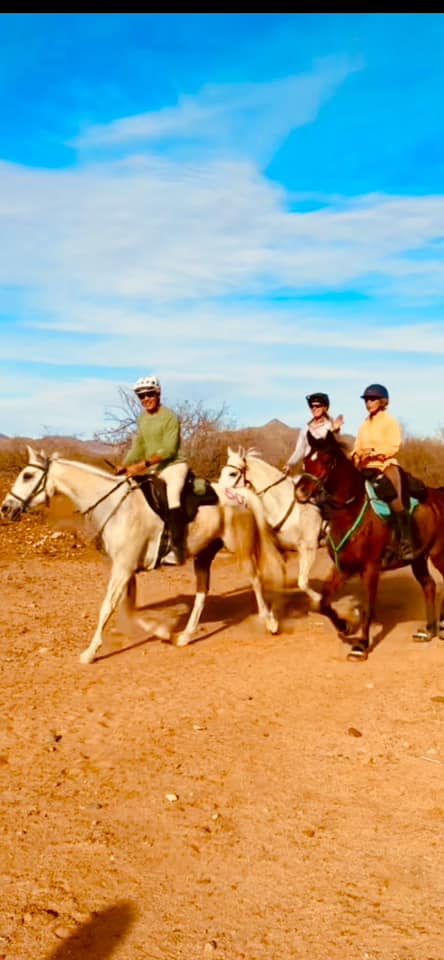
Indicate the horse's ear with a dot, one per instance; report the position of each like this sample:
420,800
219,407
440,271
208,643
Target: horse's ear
32,454
230,452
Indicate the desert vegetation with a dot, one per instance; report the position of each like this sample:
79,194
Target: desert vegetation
206,434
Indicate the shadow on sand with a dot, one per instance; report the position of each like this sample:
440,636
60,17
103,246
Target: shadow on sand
225,610
99,937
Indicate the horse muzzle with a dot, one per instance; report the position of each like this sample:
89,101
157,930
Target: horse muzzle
303,492
11,509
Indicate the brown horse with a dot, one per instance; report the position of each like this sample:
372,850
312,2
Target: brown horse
360,541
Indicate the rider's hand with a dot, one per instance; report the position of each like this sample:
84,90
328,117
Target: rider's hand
286,468
135,469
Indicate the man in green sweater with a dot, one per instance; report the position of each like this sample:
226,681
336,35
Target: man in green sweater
156,446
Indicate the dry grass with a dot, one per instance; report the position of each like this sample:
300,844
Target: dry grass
423,457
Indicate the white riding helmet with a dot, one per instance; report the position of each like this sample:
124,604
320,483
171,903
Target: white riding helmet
146,383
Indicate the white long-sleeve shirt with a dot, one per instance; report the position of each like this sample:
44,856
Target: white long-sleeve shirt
318,428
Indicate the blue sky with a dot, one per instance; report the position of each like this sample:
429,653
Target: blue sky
250,206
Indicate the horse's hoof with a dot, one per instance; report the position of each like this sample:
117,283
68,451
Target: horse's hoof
272,625
162,632
86,657
423,636
357,653
182,640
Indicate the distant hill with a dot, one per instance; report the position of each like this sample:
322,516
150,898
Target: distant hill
274,442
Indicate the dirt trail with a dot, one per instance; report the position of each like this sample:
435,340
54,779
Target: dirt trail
247,797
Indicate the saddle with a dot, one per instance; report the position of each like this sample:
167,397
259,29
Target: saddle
196,493
381,491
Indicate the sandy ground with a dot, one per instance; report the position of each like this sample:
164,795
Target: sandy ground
247,797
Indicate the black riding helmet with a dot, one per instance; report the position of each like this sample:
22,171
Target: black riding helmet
376,391
318,398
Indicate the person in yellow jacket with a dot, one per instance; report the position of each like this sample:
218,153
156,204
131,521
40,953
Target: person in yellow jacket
374,452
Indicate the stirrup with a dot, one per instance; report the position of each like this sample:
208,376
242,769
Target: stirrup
406,551
170,559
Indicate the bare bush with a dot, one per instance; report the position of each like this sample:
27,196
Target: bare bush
201,430
424,458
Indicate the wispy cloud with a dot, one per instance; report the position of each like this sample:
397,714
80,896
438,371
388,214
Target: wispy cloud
251,120
169,245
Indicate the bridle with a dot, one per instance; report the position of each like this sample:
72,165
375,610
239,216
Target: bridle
323,493
41,487
242,471
242,474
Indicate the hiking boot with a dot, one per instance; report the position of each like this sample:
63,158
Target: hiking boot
177,526
406,546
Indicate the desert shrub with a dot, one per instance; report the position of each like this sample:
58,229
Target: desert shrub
424,458
201,432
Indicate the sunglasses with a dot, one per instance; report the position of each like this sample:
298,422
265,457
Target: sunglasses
148,393
317,406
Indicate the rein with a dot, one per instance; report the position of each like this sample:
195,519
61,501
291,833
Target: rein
84,513
339,505
41,486
242,471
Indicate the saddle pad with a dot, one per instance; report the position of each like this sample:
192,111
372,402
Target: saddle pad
380,507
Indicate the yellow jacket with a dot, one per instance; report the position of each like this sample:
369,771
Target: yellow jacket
378,441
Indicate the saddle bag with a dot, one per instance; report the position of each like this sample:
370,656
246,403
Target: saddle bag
416,487
381,484
196,493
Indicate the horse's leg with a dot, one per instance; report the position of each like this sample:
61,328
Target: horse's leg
151,627
115,590
331,585
265,612
307,557
423,576
202,566
370,580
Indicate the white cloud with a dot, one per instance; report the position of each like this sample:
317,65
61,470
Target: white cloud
247,119
176,264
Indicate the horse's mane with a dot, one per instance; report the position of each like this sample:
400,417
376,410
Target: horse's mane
250,453
88,467
344,445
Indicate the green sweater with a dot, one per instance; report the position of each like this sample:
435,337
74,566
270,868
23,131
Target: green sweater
156,433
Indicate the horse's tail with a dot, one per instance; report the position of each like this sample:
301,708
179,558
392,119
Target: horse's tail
253,539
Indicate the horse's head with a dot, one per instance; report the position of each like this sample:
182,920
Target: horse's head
31,487
233,474
317,467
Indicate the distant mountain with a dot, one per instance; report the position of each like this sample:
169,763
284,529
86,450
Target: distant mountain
274,442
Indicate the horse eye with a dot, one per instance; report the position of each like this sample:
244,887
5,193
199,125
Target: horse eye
28,476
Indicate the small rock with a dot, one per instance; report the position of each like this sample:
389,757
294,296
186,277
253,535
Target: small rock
210,947
171,797
62,932
353,732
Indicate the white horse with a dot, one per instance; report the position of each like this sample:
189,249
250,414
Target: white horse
131,532
295,525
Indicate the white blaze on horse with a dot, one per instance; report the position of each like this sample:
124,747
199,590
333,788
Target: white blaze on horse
296,525
131,533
